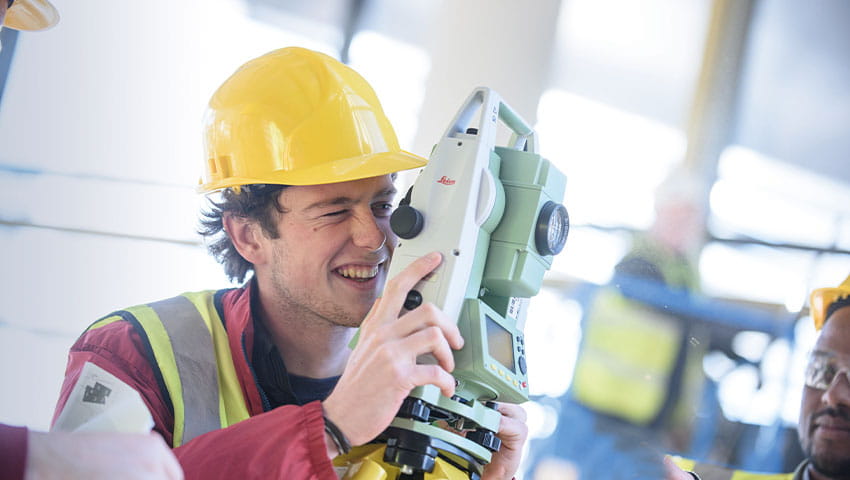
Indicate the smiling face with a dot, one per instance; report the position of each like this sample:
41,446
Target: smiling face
331,258
824,427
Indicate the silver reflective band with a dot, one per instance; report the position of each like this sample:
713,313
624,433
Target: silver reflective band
196,364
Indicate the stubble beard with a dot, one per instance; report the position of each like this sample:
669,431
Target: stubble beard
826,458
829,462
308,308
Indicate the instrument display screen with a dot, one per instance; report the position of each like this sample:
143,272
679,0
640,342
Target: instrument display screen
500,344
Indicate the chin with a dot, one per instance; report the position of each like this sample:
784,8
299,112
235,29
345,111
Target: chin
831,463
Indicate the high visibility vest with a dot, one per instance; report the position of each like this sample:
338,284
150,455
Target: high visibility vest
713,472
193,362
627,358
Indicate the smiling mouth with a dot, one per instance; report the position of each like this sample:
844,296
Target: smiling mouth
834,426
360,273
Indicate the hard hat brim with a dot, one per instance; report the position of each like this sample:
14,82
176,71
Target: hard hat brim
342,171
31,15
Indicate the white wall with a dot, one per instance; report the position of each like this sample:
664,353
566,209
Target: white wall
104,113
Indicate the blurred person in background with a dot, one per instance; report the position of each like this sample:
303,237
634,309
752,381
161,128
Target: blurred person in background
667,252
824,424
638,376
26,454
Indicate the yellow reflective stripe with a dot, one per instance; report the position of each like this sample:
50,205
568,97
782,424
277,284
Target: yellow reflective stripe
741,475
104,322
164,355
683,463
713,472
232,405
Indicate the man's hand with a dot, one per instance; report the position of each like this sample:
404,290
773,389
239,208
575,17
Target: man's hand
382,369
673,472
100,456
513,432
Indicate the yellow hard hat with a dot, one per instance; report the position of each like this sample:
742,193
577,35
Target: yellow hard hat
31,15
822,298
298,117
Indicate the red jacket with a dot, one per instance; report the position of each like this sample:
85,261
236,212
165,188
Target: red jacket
285,443
13,452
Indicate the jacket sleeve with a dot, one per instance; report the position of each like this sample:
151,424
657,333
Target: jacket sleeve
13,452
286,443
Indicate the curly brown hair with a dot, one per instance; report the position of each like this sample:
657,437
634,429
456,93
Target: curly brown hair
259,203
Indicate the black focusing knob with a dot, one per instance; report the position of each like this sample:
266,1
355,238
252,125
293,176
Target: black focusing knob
406,222
413,300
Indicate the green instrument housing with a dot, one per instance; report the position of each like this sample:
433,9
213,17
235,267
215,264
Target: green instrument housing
492,364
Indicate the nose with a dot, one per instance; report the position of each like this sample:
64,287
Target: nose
369,234
838,392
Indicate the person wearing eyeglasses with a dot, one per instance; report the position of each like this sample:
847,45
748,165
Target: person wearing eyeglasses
824,425
31,455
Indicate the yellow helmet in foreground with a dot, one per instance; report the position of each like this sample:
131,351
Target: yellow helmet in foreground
298,117
30,15
822,298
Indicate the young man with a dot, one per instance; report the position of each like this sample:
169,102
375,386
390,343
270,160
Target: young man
824,425
259,380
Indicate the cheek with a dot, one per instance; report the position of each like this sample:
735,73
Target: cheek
392,239
808,406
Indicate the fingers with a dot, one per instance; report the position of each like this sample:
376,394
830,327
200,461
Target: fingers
171,468
512,411
513,433
431,340
428,316
435,375
396,290
673,472
512,427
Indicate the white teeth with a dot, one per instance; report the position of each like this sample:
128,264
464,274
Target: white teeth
358,272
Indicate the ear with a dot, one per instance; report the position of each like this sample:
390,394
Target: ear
247,238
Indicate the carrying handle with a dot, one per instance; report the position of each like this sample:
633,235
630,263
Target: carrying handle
492,107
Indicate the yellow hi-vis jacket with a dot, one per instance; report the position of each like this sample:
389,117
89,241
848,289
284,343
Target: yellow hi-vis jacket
713,472
191,351
627,360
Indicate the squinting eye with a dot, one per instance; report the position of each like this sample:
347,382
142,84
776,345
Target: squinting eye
384,208
334,214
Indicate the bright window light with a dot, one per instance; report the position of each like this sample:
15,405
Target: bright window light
552,335
397,71
770,200
613,159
